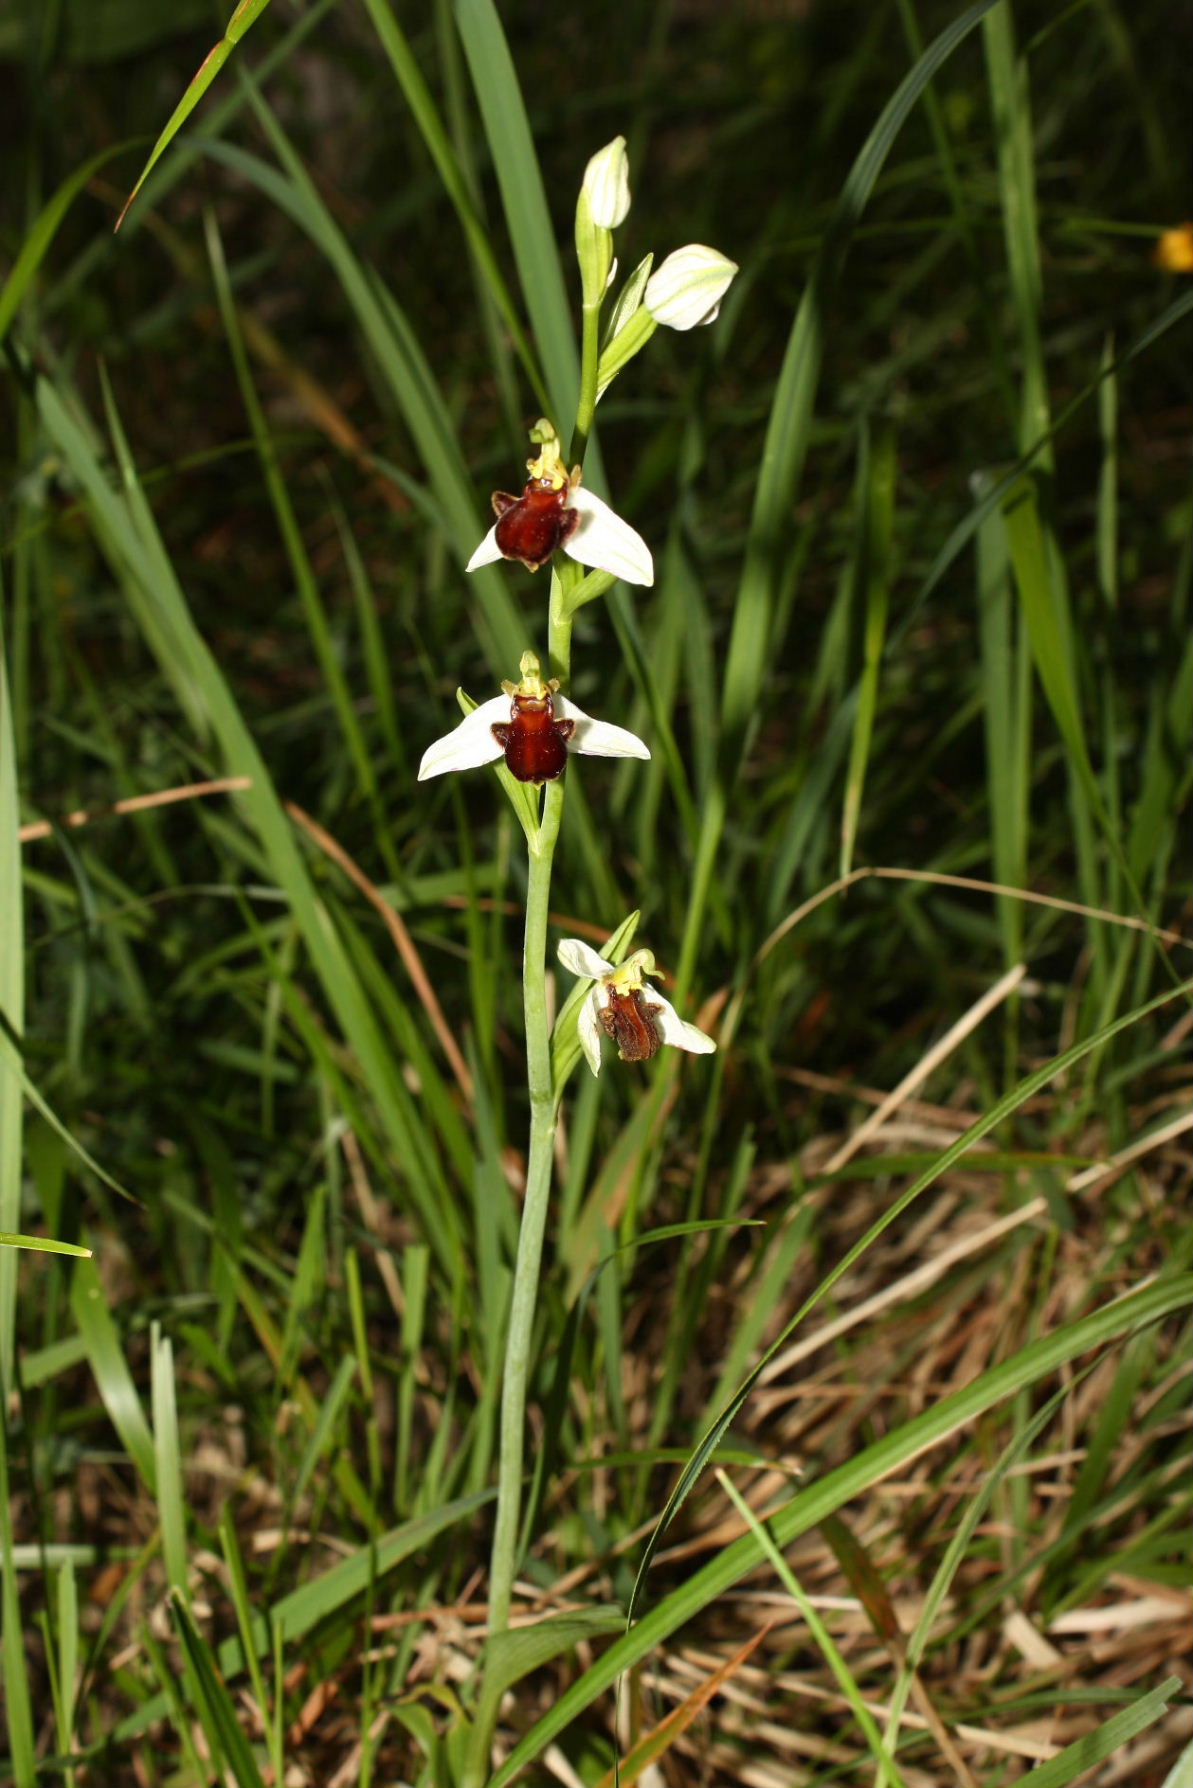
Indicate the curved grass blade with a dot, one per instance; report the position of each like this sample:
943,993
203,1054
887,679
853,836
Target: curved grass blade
1011,105
808,1508
512,1655
10,1054
44,1244
1046,616
524,200
246,15
39,237
407,375
829,1650
216,1709
784,451
1119,1729
672,1727
1016,1449
789,427
434,134
997,490
326,1596
128,533
989,1121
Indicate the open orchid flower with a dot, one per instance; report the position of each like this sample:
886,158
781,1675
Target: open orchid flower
621,1006
533,728
554,511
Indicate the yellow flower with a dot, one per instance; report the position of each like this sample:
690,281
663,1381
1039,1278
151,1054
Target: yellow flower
1174,250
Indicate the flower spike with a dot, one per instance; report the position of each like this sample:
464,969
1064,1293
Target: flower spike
620,1005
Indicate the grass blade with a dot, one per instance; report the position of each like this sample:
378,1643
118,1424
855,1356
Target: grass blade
877,466
784,451
18,1704
845,1679
434,134
167,1453
246,15
12,1021
42,232
989,1121
130,536
1093,1747
106,1358
789,425
524,198
1151,1303
215,1704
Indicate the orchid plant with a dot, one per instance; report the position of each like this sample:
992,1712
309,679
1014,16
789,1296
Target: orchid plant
535,729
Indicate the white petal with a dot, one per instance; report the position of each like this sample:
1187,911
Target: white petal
687,289
597,738
675,1030
487,552
607,183
469,744
605,541
588,1030
581,960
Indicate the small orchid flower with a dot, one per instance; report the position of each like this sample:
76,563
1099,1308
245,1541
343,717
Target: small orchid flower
554,511
533,727
618,1006
687,289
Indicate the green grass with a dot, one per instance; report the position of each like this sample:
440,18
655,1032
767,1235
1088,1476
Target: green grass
920,513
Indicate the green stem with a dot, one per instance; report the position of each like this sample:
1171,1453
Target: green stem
590,359
534,1214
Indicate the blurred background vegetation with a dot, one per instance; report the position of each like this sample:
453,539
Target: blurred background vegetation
310,1182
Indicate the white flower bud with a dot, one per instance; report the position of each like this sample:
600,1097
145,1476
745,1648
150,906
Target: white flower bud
607,183
689,286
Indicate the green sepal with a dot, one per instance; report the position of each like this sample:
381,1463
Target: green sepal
630,340
628,302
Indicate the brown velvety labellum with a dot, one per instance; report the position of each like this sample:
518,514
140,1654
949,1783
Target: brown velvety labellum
531,527
627,1019
534,742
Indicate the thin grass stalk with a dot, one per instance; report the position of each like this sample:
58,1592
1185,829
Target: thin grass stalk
12,1005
